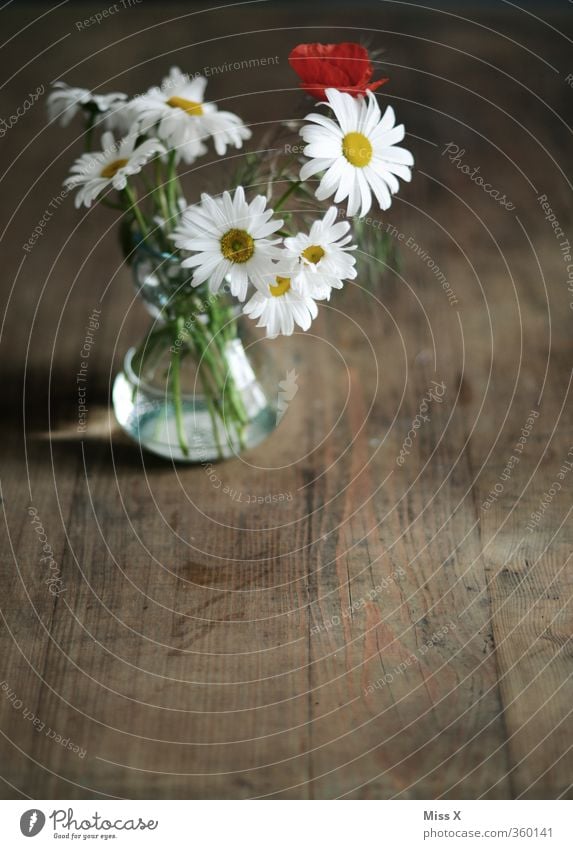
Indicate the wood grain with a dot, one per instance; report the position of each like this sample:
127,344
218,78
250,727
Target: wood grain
382,633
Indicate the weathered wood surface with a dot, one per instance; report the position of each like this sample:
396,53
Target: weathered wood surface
383,633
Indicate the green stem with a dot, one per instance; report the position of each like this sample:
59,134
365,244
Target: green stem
213,362
284,197
209,373
160,191
172,190
176,386
213,415
227,325
135,210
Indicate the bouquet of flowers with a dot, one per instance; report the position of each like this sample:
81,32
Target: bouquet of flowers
201,266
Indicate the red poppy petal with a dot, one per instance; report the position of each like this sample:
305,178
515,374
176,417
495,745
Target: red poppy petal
344,66
377,84
354,61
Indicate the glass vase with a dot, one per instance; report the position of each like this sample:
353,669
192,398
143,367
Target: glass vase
202,384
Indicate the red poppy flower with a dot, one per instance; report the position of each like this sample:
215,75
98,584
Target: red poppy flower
345,66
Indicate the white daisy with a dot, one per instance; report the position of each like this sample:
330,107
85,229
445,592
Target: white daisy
190,150
64,102
181,117
94,172
279,307
320,259
230,238
120,118
357,152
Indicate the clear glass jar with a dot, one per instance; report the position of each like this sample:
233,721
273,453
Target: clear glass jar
202,385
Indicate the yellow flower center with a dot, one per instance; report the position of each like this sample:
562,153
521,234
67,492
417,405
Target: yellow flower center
237,245
188,106
112,168
357,149
313,253
282,285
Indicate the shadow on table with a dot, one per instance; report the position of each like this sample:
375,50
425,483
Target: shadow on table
101,443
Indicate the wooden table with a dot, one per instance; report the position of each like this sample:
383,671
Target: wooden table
390,629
